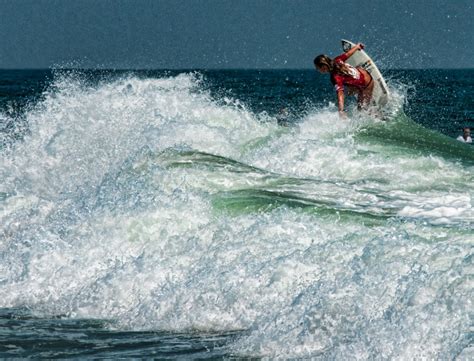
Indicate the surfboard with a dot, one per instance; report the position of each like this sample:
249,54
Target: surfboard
360,58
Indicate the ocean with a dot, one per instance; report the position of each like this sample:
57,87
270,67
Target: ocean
220,214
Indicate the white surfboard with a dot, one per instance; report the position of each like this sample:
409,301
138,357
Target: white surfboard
360,58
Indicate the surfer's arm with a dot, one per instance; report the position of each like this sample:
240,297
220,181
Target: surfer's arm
340,103
351,51
338,82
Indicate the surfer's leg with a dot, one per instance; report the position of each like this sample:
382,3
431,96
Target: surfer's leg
365,92
365,96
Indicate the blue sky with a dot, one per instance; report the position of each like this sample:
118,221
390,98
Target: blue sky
178,34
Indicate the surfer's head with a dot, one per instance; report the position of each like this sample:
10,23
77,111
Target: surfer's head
323,63
466,131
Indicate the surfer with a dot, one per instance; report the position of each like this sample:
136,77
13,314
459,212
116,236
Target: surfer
466,135
356,79
283,117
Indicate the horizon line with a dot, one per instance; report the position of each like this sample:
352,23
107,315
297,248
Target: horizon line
209,69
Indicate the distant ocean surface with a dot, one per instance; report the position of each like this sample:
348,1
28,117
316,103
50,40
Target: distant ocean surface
232,214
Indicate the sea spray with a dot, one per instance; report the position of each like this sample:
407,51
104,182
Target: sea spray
153,205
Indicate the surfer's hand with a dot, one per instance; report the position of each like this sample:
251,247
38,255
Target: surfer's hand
360,46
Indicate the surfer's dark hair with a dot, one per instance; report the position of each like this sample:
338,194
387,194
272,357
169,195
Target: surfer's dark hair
334,67
324,60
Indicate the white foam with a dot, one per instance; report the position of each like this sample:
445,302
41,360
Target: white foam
99,222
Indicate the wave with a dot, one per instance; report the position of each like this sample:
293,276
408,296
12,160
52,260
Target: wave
404,133
150,203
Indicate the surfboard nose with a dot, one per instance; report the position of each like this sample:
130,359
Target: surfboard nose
346,45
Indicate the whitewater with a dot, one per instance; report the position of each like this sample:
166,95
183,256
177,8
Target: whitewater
154,204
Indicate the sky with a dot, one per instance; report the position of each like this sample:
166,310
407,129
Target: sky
224,34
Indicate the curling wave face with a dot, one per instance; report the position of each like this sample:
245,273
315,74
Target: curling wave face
151,203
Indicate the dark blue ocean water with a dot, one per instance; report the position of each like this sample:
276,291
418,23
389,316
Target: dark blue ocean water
181,214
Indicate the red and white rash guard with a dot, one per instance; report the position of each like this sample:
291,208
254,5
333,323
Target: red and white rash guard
355,77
